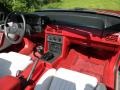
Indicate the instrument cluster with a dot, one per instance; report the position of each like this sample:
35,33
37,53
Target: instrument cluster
36,22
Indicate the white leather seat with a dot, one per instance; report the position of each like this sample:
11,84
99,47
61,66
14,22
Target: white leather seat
45,81
64,79
11,62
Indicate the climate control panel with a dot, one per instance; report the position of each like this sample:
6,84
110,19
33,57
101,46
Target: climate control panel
55,43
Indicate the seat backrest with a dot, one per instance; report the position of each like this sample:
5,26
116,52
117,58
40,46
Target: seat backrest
64,79
11,62
45,81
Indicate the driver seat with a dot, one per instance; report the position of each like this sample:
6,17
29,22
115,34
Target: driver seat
11,62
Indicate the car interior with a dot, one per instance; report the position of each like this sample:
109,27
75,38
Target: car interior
60,50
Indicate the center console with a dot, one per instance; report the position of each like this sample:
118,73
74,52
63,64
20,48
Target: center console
54,47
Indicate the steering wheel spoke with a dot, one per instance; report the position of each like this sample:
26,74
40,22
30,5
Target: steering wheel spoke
7,29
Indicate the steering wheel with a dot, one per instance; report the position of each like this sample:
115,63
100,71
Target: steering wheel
15,32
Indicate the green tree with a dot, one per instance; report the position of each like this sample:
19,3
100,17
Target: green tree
25,5
7,4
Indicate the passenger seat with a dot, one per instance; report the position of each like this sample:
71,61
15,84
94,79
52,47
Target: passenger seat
65,79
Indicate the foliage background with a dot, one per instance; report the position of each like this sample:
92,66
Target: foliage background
25,5
32,5
97,4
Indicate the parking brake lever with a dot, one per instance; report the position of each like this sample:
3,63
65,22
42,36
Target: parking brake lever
46,56
38,49
25,82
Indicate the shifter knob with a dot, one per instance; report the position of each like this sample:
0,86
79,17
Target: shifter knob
39,49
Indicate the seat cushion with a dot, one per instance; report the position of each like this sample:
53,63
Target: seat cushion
64,79
11,62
